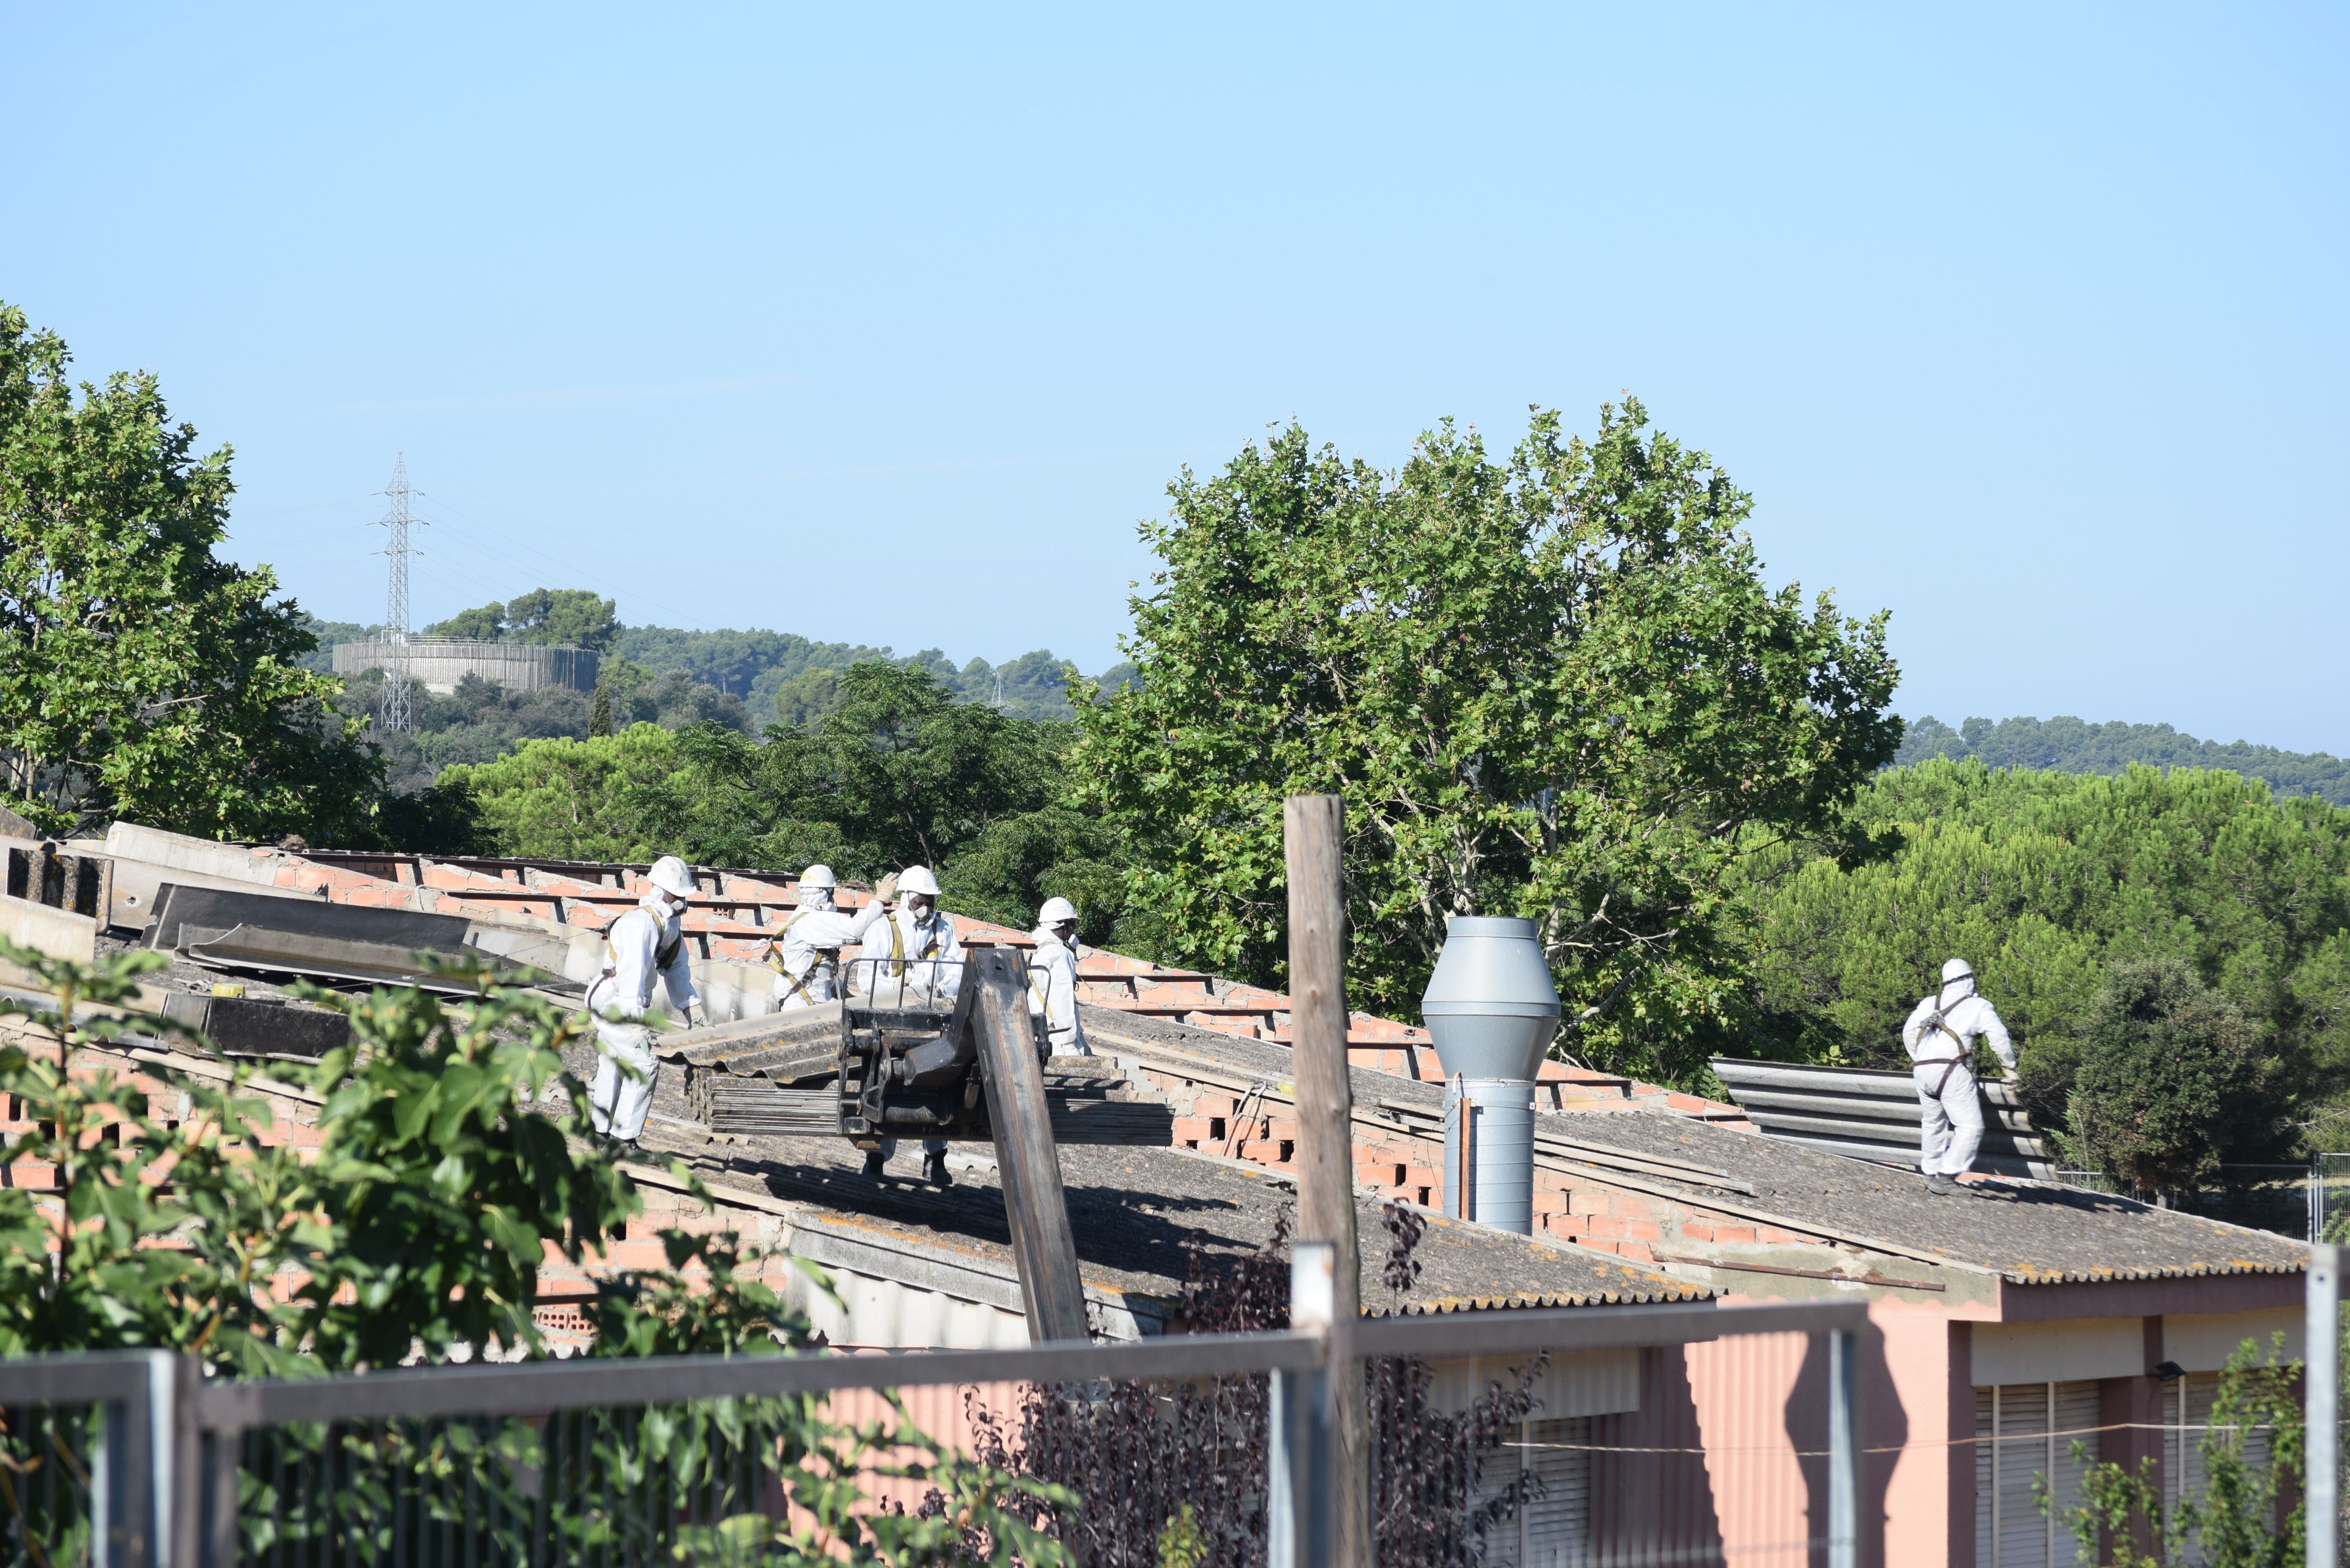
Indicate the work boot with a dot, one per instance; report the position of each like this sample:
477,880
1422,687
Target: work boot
934,1169
1940,1186
874,1164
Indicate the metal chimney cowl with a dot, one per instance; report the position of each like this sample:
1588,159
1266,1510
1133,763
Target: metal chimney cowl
1491,1010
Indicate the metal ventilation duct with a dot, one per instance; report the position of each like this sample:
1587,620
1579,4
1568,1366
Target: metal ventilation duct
1491,1010
1872,1114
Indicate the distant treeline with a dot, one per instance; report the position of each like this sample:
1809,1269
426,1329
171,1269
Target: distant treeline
2067,745
742,680
774,676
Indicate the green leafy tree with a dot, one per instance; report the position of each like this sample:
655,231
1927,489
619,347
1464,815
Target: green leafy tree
2171,1082
2254,1453
563,617
486,623
615,797
1554,686
141,676
600,717
898,773
806,697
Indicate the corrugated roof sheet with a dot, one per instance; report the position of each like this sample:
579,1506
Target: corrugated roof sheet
1139,1215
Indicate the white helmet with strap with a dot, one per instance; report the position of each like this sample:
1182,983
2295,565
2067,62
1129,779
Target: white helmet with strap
671,876
917,879
819,876
1054,911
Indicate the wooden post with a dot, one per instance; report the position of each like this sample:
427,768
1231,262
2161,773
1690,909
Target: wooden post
1313,830
1027,1161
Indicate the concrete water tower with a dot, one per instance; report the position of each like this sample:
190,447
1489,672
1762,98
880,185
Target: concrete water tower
1492,1010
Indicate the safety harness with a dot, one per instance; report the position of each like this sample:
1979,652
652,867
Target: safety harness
1937,1024
799,983
665,953
898,949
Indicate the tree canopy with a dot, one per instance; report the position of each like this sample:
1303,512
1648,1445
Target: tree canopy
555,617
2171,1082
895,772
1555,686
141,675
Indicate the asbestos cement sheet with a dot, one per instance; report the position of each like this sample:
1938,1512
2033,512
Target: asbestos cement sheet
221,909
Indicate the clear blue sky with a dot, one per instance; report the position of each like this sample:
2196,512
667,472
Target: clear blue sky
2027,323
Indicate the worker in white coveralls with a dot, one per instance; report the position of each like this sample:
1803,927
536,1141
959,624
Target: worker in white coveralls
912,958
641,947
1053,979
1941,1036
806,956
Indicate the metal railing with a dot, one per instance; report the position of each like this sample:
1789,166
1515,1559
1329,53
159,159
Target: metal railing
186,1472
2321,1381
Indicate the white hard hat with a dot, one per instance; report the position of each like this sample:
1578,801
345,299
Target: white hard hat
917,879
1956,970
671,875
817,876
1054,911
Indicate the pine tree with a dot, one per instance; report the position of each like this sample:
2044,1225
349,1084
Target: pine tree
600,717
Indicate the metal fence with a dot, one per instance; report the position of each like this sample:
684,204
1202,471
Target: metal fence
2323,1493
134,1460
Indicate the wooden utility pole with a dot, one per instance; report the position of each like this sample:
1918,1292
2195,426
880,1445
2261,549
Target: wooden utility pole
1313,830
1026,1160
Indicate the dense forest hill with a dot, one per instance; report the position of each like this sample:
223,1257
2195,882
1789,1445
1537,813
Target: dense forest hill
2067,745
744,680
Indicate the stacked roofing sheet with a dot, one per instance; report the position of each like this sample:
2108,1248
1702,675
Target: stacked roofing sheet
1871,1114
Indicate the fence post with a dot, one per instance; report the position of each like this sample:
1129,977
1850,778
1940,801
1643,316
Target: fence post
2322,1388
1312,841
1298,1485
1843,1448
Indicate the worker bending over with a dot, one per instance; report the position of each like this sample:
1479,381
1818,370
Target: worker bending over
641,946
1053,979
806,956
912,958
1939,1036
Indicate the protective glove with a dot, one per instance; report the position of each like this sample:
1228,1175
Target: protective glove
885,890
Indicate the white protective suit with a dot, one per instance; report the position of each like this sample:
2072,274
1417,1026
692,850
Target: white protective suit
1942,1062
641,946
904,955
805,972
1053,993
909,960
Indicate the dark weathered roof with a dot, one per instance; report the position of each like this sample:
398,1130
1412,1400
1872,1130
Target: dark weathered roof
1139,1214
2028,1232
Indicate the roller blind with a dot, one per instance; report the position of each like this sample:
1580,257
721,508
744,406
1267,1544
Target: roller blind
1553,1530
2186,1413
2022,1431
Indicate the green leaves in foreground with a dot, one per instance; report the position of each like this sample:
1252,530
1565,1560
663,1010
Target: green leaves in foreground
455,1154
2254,1451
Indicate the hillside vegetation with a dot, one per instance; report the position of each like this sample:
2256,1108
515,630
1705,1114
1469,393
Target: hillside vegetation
2066,746
741,680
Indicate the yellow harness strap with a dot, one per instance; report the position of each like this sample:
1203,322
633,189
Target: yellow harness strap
898,950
